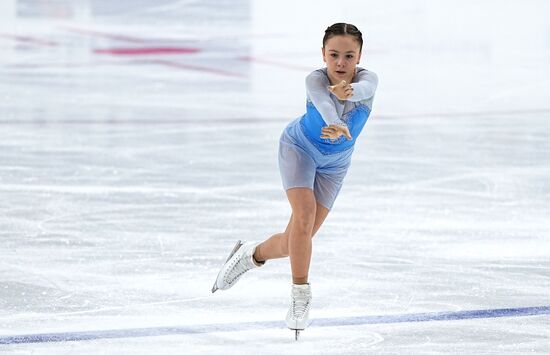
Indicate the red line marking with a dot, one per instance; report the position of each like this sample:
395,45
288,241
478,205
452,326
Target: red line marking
161,62
146,51
197,68
169,39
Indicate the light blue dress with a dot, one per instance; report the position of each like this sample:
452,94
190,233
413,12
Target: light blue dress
306,159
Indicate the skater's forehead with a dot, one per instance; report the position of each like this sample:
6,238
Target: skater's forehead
342,43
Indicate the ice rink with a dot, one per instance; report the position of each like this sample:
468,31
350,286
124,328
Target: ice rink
138,142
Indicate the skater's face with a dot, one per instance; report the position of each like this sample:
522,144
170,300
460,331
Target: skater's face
341,53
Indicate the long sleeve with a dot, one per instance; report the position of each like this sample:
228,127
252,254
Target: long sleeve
365,86
317,90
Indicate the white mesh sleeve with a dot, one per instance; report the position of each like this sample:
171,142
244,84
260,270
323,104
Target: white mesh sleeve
317,85
365,86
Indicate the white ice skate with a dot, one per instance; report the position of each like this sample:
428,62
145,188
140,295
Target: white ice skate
298,313
240,260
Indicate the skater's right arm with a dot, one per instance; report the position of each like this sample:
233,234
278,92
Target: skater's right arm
317,84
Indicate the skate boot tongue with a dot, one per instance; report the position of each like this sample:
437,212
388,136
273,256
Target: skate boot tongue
301,290
301,297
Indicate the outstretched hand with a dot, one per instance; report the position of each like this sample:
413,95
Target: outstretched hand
343,90
335,131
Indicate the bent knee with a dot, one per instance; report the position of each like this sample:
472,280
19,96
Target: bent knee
303,222
304,215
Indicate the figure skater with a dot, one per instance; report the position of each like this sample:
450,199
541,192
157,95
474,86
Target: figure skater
314,155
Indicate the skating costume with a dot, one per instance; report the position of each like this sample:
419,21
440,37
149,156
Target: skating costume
305,159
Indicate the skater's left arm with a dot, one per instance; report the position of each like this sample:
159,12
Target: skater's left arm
365,86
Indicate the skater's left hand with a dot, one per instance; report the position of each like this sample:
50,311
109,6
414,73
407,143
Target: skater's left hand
342,90
334,131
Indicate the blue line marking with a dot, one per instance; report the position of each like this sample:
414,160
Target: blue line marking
232,327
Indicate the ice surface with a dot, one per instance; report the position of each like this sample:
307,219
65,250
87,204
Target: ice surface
138,141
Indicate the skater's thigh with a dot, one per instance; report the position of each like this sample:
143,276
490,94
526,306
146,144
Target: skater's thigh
327,187
303,203
296,166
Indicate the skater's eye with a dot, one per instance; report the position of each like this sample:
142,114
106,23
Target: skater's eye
334,55
349,56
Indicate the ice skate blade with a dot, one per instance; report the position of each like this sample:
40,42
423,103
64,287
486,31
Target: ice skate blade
235,248
296,332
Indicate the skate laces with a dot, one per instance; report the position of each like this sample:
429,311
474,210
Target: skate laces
239,266
300,302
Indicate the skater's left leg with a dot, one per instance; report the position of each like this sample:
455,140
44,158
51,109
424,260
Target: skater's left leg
302,201
277,245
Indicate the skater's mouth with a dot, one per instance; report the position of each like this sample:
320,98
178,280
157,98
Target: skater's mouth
340,72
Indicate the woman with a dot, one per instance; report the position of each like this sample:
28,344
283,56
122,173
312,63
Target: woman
314,155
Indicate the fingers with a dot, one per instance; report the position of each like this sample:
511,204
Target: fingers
328,133
349,91
329,130
334,132
343,84
343,90
345,132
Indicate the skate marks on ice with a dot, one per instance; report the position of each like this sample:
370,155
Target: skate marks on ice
244,326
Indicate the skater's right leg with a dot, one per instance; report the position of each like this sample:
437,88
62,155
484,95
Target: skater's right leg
253,255
240,260
274,247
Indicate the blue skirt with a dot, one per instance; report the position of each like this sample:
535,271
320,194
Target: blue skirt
302,165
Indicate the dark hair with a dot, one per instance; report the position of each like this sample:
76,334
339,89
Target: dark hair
343,29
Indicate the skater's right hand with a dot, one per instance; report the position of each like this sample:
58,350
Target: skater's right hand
342,91
335,131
